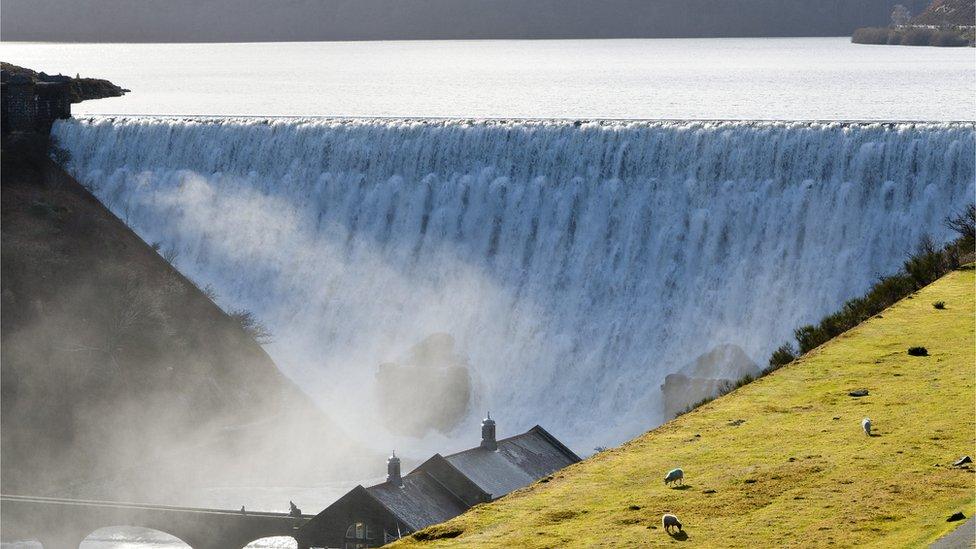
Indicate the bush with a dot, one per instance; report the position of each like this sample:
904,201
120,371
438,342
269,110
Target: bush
918,351
782,356
939,305
254,328
57,153
870,35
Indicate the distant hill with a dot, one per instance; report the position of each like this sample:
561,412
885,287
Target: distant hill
309,20
121,380
942,23
782,461
955,13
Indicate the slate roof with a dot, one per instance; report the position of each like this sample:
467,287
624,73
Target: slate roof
519,461
426,497
420,502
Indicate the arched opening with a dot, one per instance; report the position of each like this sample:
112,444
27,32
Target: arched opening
132,537
273,542
360,536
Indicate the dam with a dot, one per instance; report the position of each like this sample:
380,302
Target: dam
575,263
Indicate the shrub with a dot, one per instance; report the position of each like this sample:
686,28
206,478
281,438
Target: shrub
870,35
918,351
254,328
782,356
964,224
939,305
57,153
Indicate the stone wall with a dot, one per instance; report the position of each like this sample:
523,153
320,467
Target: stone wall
32,107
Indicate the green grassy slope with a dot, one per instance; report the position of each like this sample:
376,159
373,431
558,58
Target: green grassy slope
798,471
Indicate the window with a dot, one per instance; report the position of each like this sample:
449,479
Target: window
360,536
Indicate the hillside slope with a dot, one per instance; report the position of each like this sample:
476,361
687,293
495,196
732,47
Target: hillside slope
308,20
782,461
960,13
121,379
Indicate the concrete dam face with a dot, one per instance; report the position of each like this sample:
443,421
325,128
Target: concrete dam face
573,264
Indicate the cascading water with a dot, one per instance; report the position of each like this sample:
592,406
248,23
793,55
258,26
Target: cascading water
576,264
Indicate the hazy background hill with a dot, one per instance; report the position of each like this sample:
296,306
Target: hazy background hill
306,20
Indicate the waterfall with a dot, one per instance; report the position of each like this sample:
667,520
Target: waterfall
575,263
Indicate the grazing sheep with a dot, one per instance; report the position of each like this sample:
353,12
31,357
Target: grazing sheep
866,425
670,521
675,475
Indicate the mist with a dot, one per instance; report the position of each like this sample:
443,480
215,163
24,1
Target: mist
575,265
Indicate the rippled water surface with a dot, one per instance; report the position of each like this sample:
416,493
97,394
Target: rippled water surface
765,78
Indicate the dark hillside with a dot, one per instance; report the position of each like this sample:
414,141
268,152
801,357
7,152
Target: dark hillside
117,369
948,13
309,20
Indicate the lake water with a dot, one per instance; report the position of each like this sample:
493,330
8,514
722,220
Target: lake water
805,78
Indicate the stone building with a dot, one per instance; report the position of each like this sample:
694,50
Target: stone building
437,490
32,106
32,101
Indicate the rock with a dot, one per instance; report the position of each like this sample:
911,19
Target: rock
858,393
956,516
430,390
709,491
708,376
962,461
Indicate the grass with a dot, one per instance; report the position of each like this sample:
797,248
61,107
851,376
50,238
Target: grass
799,471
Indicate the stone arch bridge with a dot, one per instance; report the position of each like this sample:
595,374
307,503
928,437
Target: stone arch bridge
64,523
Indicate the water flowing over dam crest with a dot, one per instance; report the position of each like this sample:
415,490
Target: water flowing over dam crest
575,264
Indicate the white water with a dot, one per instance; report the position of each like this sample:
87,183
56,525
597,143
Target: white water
575,265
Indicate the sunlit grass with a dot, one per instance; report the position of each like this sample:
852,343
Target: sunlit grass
799,471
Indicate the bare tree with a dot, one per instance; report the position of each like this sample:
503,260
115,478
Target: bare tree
964,224
254,328
900,16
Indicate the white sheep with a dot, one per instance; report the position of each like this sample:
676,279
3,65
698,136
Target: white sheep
866,425
675,475
670,521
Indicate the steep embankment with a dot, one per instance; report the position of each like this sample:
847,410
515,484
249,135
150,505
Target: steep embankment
121,379
783,461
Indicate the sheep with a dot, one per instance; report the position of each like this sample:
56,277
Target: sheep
866,425
670,521
675,475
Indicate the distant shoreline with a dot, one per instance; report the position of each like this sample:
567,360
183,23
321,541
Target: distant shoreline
916,35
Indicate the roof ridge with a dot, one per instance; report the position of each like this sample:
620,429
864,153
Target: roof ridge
555,442
506,439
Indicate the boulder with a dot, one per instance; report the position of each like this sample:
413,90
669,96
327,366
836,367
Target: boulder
709,375
430,389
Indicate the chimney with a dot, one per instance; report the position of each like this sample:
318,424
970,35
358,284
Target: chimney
393,470
488,441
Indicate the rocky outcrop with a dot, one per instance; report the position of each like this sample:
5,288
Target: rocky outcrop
708,376
429,390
